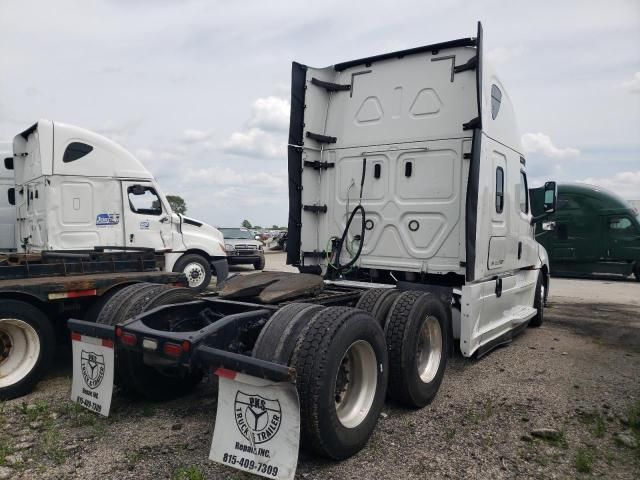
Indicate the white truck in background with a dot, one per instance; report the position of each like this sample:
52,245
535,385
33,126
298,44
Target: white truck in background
7,210
75,190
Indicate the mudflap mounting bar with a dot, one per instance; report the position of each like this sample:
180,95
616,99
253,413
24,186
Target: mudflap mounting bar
92,329
215,358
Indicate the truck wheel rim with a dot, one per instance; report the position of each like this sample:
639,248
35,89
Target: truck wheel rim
356,383
429,351
195,274
19,350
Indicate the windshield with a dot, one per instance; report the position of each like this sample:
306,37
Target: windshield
236,233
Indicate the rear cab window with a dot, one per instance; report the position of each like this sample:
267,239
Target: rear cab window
523,196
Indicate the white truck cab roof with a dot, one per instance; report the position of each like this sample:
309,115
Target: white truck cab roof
61,149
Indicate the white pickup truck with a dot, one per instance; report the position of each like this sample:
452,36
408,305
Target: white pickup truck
75,190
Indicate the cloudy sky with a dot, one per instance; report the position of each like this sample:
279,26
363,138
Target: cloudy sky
199,89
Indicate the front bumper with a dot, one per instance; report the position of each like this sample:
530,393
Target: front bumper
244,258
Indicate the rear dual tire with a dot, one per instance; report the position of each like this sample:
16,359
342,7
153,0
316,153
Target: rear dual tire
417,334
341,363
378,302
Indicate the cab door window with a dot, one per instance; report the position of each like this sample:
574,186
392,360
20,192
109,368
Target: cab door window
144,200
621,226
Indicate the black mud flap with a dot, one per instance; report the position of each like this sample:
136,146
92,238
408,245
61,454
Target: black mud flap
221,267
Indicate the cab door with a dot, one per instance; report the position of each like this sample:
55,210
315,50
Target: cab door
622,238
146,221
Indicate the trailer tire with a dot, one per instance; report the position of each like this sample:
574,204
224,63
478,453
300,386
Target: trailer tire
27,345
110,310
259,265
148,381
197,269
538,302
341,364
417,334
91,315
378,301
278,337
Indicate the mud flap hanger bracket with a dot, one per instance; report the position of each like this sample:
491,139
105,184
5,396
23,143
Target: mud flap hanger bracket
215,358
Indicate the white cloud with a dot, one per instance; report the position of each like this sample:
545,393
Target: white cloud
633,85
541,143
255,143
502,55
228,177
271,114
118,132
625,184
196,136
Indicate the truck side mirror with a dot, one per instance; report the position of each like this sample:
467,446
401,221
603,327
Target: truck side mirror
550,197
548,226
11,196
8,163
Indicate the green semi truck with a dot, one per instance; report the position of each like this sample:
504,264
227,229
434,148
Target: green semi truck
592,232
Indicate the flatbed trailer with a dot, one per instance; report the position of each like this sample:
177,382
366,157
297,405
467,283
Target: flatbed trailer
39,292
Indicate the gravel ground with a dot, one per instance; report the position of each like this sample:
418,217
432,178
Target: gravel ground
577,375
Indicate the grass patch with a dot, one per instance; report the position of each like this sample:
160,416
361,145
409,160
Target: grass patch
188,473
50,445
4,451
597,423
485,412
584,461
132,459
633,415
81,417
599,427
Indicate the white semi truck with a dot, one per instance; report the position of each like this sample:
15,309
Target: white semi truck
408,200
75,190
7,210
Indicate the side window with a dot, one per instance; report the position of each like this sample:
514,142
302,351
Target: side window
499,190
620,226
144,200
524,193
75,151
496,99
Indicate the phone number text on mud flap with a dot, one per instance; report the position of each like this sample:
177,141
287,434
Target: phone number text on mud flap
89,404
249,464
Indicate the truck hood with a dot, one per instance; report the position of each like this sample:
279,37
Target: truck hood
199,235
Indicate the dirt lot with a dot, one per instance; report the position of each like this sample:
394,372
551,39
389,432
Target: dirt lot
577,375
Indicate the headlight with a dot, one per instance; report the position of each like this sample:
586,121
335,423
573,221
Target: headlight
259,247
229,247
